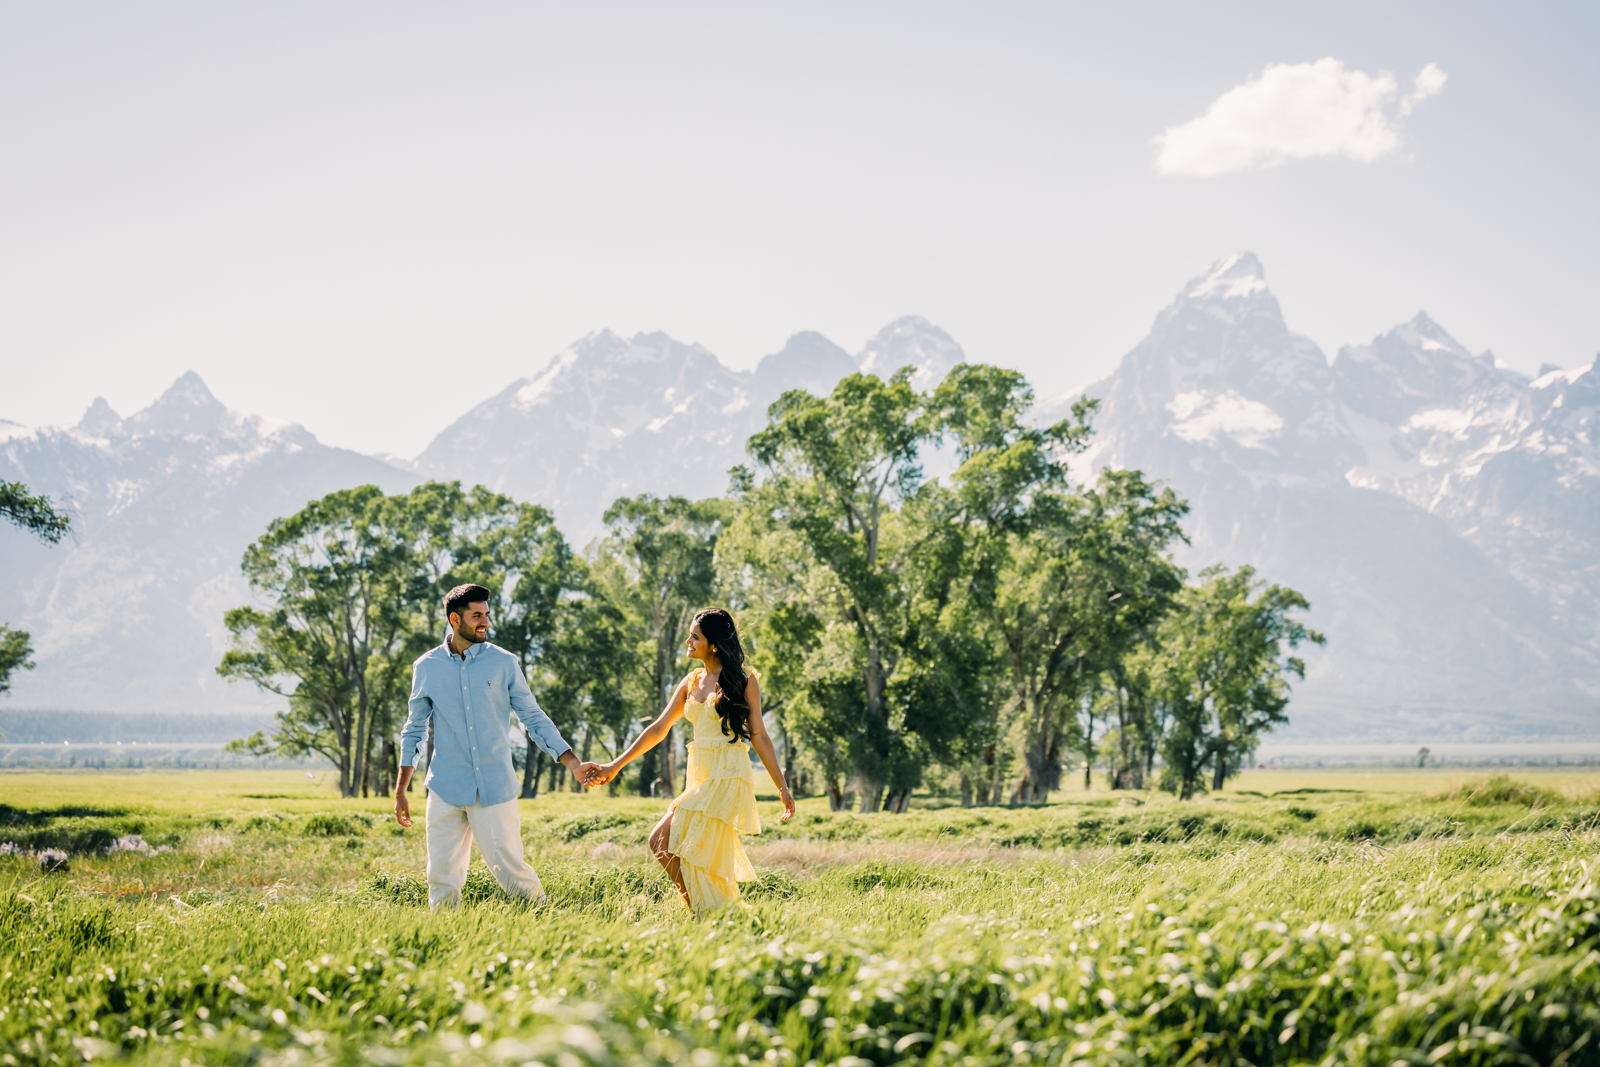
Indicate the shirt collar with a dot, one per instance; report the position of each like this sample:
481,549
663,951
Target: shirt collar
472,649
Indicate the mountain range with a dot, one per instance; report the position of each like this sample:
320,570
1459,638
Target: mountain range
1440,510
610,417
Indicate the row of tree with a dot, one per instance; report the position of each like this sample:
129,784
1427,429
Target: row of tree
988,629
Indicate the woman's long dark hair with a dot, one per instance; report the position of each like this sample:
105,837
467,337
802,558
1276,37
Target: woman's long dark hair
717,627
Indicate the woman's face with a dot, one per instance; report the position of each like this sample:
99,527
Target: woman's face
696,646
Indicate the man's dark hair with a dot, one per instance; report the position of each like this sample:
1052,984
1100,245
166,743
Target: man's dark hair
457,599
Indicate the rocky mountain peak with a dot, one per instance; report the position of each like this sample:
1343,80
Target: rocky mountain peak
1414,367
187,407
808,361
911,341
1232,277
1220,367
100,420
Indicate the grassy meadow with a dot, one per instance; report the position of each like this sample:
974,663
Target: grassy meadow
1374,917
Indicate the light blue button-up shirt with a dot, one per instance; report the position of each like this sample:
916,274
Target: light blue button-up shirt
470,700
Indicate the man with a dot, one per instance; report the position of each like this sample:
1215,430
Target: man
469,687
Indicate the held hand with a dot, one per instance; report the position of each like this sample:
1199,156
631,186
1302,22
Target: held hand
788,804
603,773
402,809
585,773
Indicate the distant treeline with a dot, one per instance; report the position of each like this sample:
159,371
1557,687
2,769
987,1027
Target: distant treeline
103,727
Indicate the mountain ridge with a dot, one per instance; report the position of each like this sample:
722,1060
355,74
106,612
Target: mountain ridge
1438,509
1277,448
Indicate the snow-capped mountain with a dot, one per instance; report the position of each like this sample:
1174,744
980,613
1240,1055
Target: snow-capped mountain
126,612
1512,465
1439,511
612,417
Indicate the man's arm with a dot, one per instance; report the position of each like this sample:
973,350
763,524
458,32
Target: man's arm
544,732
417,711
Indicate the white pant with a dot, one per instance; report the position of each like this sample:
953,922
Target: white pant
497,829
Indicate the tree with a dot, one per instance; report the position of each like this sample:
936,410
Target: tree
517,553
1223,669
337,574
833,472
14,652
39,517
1063,578
35,514
656,564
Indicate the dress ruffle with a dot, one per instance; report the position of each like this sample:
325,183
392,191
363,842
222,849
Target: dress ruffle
729,800
711,845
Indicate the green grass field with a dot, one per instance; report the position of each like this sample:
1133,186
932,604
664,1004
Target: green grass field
1301,917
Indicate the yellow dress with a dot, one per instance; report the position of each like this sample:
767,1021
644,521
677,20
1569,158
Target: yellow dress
718,803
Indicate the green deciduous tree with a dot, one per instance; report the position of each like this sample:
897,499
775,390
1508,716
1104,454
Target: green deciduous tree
35,514
517,553
1222,664
656,566
336,575
833,474
38,516
14,652
1063,579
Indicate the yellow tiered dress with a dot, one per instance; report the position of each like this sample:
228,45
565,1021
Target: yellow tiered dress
718,803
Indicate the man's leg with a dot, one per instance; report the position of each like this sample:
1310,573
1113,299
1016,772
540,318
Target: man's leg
449,847
498,832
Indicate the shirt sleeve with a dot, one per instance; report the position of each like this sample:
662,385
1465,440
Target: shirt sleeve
533,718
418,710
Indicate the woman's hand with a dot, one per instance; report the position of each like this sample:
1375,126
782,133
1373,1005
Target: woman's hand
601,774
788,803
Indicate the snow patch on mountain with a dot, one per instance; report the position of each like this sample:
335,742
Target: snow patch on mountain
1203,416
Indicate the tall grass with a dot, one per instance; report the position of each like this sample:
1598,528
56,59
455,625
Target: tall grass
1478,944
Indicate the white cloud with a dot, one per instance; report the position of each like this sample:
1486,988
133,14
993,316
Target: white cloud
1294,111
1429,81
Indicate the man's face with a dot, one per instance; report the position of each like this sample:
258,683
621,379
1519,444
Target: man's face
472,623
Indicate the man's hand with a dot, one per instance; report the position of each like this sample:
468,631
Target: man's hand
600,775
581,771
402,806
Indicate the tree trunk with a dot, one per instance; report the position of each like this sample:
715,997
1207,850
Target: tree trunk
668,789
1035,784
966,791
531,767
649,772
871,797
835,794
788,757
1221,777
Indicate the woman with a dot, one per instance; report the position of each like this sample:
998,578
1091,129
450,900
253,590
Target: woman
698,840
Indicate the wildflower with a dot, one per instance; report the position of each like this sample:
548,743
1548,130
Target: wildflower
131,843
605,851
52,859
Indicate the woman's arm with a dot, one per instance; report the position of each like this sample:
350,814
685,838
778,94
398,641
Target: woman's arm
761,741
650,738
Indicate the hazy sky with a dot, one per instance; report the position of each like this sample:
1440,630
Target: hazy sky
369,217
